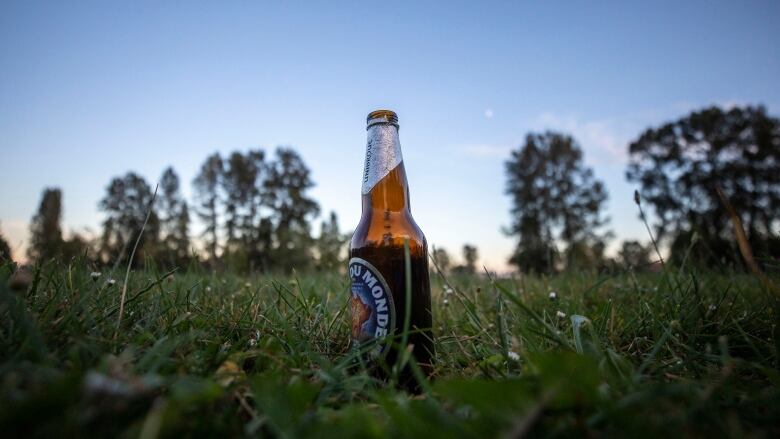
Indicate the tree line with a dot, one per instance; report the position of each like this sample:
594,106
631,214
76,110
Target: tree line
257,213
679,168
255,209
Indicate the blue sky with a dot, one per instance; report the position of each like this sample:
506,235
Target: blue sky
89,91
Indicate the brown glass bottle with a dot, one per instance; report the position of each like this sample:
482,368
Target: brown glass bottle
376,252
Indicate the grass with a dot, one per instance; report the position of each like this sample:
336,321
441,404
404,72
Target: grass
205,354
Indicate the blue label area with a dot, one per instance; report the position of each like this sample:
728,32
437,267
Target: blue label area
371,304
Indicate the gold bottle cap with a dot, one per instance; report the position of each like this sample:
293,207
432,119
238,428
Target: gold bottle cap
382,116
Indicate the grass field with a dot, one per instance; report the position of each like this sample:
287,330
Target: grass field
199,354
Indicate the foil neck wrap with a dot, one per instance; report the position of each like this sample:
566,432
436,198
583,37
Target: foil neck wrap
383,154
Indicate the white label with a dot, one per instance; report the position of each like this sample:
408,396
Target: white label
383,154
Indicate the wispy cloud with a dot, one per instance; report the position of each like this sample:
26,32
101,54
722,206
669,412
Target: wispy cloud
604,140
485,150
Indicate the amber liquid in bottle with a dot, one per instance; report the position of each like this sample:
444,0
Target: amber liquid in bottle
378,245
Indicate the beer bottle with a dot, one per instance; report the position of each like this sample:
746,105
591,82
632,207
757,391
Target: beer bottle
377,263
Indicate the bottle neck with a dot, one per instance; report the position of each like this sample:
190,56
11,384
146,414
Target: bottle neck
384,177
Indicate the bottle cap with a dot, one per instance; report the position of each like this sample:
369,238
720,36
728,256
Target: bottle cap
382,116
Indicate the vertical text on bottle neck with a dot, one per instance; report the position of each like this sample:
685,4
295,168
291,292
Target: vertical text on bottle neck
383,154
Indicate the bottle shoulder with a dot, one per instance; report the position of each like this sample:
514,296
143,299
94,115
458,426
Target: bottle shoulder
388,229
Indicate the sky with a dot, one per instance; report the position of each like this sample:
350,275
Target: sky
91,90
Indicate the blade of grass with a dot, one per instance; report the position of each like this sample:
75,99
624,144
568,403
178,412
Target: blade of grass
130,262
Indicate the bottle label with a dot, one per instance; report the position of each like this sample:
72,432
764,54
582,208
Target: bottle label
371,304
383,154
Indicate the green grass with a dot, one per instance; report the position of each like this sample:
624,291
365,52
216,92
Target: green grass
202,354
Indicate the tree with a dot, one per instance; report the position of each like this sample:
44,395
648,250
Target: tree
47,241
285,191
536,250
238,185
77,246
247,242
174,220
5,250
634,255
206,185
555,198
470,257
681,164
261,246
442,259
330,245
45,230
126,204
266,209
